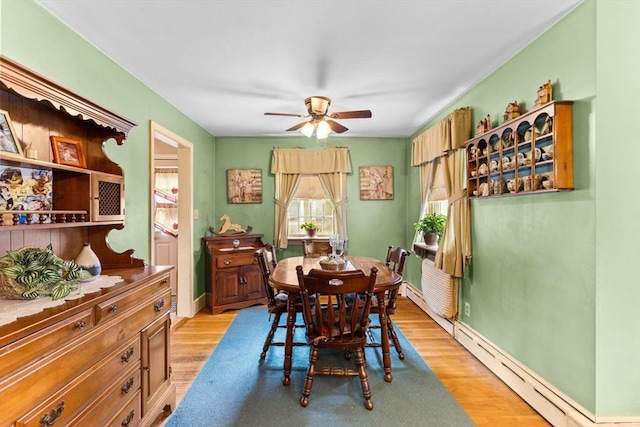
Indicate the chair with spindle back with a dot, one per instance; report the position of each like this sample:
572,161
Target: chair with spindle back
395,260
335,320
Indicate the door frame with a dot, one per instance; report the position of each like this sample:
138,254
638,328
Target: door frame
186,305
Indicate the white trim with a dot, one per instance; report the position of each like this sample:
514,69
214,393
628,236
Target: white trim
552,404
185,261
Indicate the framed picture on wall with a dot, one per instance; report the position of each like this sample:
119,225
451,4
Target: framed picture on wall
376,182
244,185
67,151
8,140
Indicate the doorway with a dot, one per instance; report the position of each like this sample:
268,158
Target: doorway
172,240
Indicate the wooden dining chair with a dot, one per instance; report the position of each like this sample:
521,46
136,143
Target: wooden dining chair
311,248
395,260
276,301
336,320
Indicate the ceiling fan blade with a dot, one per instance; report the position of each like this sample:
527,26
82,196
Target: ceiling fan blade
357,114
296,127
285,114
336,127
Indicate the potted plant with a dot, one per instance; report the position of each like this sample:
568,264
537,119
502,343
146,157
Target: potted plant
432,227
311,228
31,272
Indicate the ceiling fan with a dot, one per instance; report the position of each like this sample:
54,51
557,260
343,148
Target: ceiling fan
321,120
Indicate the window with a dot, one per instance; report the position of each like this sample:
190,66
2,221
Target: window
310,203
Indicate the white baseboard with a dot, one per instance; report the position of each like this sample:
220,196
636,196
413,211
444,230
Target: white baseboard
199,304
556,407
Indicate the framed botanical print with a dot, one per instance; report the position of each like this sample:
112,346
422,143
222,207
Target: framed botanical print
376,182
8,140
244,185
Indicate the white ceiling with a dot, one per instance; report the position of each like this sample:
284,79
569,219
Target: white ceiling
224,63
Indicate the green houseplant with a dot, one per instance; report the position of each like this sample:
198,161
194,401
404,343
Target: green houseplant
311,227
31,272
432,227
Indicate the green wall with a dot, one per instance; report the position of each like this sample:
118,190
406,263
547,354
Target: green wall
34,38
554,279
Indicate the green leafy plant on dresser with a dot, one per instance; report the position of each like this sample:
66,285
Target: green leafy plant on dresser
32,272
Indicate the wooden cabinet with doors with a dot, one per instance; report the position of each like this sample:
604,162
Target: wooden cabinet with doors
101,357
233,278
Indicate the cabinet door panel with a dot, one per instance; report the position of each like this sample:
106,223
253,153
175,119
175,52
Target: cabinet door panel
228,287
253,287
155,362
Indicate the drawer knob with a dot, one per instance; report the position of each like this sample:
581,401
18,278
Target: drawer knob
158,305
227,261
127,355
50,418
80,325
127,421
113,308
165,281
127,386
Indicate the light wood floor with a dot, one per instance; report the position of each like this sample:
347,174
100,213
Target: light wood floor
486,400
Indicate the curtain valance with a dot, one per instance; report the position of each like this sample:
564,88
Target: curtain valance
448,134
303,161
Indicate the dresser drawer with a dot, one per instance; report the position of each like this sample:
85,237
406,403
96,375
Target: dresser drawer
117,305
114,398
18,354
226,261
87,386
129,415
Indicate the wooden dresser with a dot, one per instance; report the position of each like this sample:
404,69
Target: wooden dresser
233,276
99,360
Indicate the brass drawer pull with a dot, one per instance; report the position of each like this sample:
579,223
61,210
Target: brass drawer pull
127,386
227,261
127,355
158,305
165,281
50,418
113,308
127,420
81,324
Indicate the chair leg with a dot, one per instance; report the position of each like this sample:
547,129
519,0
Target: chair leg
364,380
272,331
394,338
308,383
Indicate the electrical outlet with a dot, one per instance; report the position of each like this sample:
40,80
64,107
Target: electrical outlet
467,309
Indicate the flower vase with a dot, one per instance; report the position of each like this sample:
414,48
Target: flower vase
88,260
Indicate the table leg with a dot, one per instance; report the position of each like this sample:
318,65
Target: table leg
288,344
384,338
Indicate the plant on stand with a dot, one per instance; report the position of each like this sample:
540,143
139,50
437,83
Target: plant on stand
432,227
311,228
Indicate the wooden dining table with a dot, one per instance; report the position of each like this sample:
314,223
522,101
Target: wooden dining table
284,277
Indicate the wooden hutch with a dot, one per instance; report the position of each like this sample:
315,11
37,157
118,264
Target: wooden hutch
102,358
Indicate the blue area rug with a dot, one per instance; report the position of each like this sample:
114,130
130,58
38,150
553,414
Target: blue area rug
235,388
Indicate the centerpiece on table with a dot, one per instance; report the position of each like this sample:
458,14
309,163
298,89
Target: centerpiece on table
335,260
32,272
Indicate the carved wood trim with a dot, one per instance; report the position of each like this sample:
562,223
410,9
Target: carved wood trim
32,85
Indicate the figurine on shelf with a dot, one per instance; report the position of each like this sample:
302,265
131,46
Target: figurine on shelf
547,127
228,225
484,125
512,111
545,93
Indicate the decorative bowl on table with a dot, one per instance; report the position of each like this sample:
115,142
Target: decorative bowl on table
333,263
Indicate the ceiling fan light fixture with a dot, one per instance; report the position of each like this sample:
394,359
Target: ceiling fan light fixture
323,130
307,129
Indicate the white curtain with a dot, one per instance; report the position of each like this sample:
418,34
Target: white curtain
331,165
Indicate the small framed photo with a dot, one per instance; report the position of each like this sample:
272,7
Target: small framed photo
244,185
67,151
8,140
376,182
